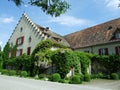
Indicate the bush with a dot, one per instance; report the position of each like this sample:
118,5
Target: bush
12,72
56,77
23,74
81,76
4,71
96,76
87,77
114,76
76,80
100,75
64,81
42,76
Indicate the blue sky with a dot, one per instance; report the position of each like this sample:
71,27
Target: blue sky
82,14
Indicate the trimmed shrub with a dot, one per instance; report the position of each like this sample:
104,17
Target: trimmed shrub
114,76
76,80
23,74
12,72
87,77
4,71
56,77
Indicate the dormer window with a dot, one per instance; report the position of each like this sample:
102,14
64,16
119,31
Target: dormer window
110,27
117,35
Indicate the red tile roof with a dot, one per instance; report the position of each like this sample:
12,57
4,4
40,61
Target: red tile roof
99,34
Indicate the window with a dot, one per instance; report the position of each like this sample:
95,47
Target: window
110,27
28,50
11,44
19,52
29,39
117,35
21,29
103,51
20,41
87,51
117,50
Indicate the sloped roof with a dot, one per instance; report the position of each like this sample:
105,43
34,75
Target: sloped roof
53,36
99,34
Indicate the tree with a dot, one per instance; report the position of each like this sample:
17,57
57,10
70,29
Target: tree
1,59
51,7
6,51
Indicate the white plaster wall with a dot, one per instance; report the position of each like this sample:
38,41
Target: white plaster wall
94,49
28,30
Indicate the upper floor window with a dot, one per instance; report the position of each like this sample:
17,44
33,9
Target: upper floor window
20,40
30,39
21,29
103,51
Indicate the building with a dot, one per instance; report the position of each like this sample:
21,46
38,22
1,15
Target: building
102,39
27,35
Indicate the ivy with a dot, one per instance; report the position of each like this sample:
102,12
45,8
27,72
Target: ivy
84,59
41,56
64,59
107,64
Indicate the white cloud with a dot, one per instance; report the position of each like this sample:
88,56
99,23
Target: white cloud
69,21
113,4
109,4
26,5
6,19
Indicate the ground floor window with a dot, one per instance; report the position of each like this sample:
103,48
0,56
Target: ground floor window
19,52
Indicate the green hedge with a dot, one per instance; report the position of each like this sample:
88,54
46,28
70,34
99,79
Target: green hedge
42,76
12,72
4,71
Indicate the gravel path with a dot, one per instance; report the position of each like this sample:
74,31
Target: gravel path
16,83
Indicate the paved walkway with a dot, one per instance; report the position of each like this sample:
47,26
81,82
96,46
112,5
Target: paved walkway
16,83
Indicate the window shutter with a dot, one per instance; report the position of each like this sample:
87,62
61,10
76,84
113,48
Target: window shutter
28,50
17,41
21,52
106,51
116,50
99,51
22,39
